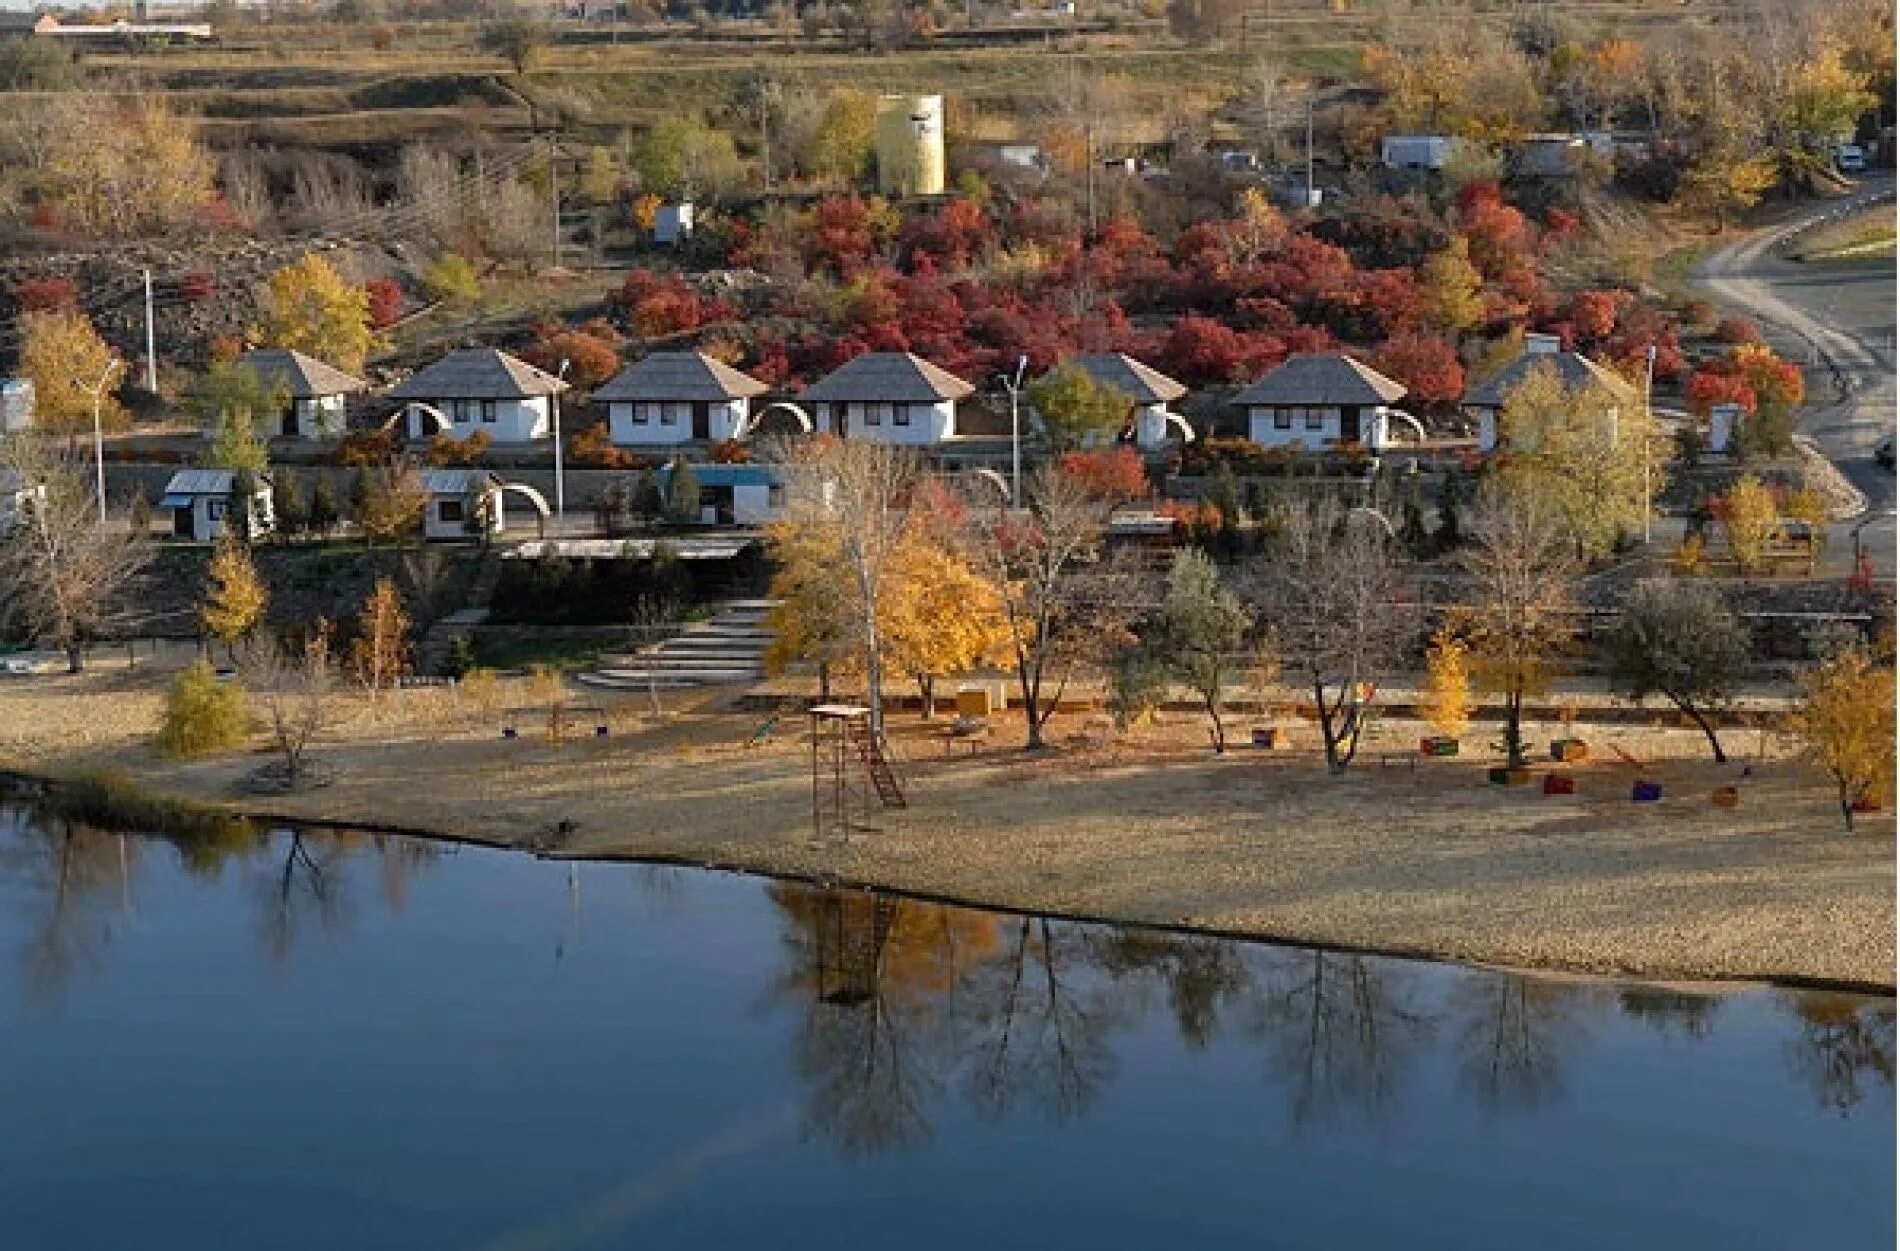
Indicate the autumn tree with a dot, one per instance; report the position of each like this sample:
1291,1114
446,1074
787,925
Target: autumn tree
202,714
837,147
805,620
451,278
1329,586
1678,639
683,157
1846,721
1589,453
64,358
235,596
381,652
1451,290
128,168
940,617
857,511
1035,559
1076,410
1751,518
392,503
63,576
1447,697
1520,563
309,308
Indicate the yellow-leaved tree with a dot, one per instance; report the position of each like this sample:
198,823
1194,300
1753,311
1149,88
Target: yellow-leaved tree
939,618
1447,701
1451,291
309,308
1846,721
381,651
1750,518
129,168
65,359
235,596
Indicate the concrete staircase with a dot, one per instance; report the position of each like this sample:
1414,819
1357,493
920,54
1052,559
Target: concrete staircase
728,649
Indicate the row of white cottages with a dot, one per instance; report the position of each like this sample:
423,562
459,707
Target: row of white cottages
668,399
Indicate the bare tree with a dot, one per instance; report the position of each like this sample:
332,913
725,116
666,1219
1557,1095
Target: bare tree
246,188
1328,590
63,572
1680,639
1033,558
1520,561
296,688
858,508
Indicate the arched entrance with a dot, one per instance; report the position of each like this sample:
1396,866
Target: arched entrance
535,499
412,415
752,421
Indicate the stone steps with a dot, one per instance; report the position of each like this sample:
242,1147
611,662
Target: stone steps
725,650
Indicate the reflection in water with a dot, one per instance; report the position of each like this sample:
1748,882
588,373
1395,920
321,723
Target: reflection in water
1514,1036
1844,1042
903,1009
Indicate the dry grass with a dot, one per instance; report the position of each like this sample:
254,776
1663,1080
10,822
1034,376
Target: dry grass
1420,856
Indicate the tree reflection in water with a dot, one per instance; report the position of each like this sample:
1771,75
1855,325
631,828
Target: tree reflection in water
1342,1031
1843,1042
1670,1011
79,881
1514,1034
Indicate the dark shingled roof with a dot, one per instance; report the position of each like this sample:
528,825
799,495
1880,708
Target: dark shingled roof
1327,379
886,377
1129,376
302,377
684,376
1575,371
477,374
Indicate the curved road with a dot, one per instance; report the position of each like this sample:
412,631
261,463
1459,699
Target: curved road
1840,316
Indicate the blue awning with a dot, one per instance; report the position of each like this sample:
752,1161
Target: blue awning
175,501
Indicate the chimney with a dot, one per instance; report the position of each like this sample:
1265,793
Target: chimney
1542,345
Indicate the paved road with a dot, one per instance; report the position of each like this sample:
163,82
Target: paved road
1840,315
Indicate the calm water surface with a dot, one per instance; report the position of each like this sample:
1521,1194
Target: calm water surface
331,1042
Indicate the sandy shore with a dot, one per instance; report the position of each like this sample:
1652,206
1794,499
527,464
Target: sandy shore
1408,856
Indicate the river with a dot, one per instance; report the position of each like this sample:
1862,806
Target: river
341,1041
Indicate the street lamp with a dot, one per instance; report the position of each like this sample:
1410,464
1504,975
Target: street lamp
1013,383
560,485
1649,428
98,390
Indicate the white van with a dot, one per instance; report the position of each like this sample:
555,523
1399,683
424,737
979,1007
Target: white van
1850,158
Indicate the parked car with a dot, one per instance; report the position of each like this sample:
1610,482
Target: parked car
1850,158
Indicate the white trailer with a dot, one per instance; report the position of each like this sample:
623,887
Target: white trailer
1416,151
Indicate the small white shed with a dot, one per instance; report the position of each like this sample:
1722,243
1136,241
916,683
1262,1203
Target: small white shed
461,503
200,501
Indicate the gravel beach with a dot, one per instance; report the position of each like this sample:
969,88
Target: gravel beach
1401,855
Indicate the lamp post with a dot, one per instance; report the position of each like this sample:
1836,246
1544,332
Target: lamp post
1013,383
560,484
98,390
1649,426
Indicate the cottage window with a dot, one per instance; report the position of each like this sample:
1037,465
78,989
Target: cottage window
667,417
900,414
449,510
775,495
640,413
214,510
1315,418
488,411
874,414
677,413
458,411
1282,419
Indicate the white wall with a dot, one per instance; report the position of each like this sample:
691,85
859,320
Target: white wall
436,526
752,505
1374,426
319,418
657,430
892,423
208,514
513,421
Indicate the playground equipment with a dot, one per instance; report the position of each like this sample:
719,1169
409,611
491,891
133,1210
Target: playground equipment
845,757
561,720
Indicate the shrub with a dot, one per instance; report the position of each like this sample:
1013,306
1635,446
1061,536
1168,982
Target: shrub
1737,330
366,447
202,714
385,302
45,295
592,448
451,278
197,287
451,452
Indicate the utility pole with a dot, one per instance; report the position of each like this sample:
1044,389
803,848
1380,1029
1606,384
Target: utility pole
151,340
1649,426
554,196
560,482
1014,385
1309,151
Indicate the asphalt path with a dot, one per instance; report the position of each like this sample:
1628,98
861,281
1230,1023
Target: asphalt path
1839,317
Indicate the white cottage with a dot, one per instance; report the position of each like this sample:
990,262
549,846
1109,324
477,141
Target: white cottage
1577,373
314,394
670,398
460,502
1149,393
474,389
200,501
887,397
1321,400
735,495
17,497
